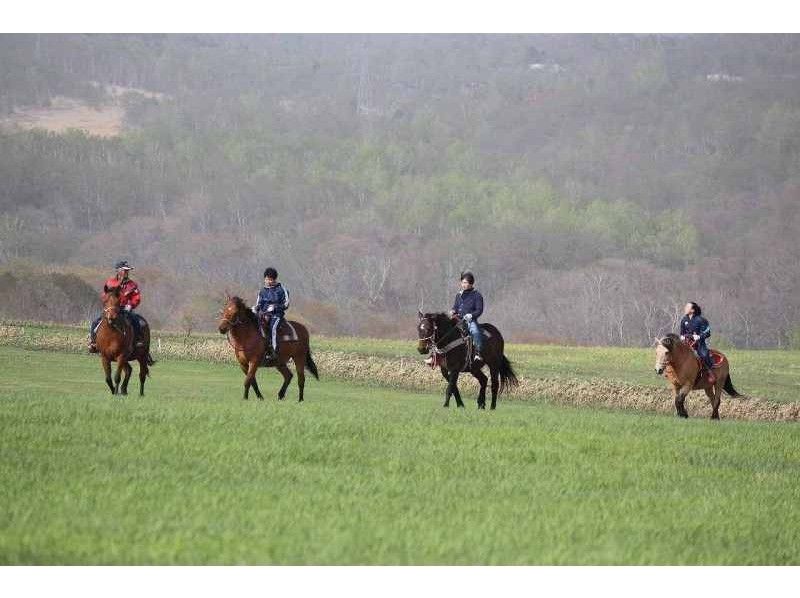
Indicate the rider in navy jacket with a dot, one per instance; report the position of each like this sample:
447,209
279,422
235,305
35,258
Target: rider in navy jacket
468,305
694,326
273,301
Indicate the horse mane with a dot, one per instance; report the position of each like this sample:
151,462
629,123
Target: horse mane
441,319
241,306
671,340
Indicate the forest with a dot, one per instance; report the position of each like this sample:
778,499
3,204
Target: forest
593,183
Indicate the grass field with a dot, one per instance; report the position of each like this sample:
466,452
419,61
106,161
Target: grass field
192,474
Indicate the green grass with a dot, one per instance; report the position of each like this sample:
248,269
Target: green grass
192,474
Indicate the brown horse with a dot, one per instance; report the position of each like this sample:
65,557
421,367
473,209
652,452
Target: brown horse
440,336
678,362
240,324
115,343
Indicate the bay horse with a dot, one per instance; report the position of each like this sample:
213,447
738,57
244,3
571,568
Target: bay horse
440,336
115,342
240,325
679,364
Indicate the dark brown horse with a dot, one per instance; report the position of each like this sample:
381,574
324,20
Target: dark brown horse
241,325
440,336
115,343
679,364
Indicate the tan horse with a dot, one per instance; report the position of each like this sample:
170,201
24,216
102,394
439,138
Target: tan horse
240,324
679,364
115,343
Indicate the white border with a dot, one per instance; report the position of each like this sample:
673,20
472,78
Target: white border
397,16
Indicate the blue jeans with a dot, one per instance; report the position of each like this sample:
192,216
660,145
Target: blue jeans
704,354
476,334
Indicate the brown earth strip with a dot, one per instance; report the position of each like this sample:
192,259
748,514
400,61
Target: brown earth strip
412,374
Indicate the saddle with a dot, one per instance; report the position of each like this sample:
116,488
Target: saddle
286,331
437,356
717,359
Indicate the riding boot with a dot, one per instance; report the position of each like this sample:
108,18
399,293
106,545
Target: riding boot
712,378
92,344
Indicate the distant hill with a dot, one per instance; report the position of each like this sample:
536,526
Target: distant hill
594,183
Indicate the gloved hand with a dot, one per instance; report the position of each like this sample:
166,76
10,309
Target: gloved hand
468,317
270,308
254,309
127,308
696,337
683,338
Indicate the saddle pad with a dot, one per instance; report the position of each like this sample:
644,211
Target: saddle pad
287,332
717,358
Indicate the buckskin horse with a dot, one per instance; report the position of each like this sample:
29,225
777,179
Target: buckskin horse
240,325
115,342
440,336
679,364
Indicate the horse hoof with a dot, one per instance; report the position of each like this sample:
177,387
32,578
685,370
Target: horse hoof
481,406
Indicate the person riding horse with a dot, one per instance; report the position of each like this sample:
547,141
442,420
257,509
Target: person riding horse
129,299
468,306
272,303
695,329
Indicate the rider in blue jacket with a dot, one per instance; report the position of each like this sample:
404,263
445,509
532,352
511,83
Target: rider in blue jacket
695,327
468,305
273,301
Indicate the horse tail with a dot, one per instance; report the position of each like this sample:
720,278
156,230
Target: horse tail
310,365
508,379
728,386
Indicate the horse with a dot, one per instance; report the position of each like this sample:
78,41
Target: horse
440,336
679,364
115,342
240,325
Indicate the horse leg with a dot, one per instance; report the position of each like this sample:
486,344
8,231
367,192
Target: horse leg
118,374
257,389
143,370
128,372
714,396
301,378
482,379
680,400
453,387
248,379
287,378
107,370
495,374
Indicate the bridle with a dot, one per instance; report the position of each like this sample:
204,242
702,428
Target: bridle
431,340
231,325
107,313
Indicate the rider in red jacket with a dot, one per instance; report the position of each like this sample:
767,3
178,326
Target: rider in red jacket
129,299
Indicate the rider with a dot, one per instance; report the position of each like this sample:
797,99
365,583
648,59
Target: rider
469,306
129,299
696,327
273,301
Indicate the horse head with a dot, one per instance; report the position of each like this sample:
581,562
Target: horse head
665,348
111,303
432,326
229,315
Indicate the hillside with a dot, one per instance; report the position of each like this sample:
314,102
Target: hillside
594,183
